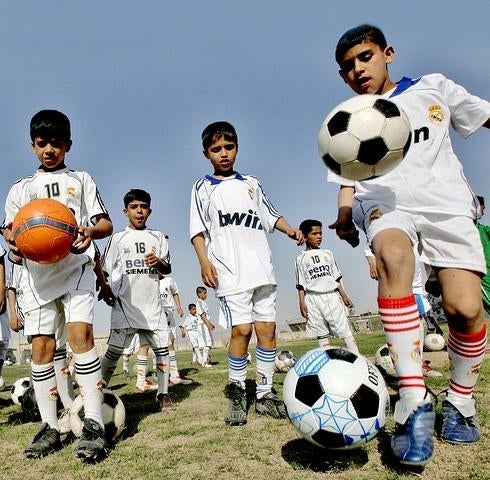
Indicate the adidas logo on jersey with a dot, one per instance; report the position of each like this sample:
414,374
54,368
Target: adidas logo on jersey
249,220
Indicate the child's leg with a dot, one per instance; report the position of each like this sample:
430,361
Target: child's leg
63,378
324,341
3,353
44,378
87,369
141,366
265,356
237,354
467,337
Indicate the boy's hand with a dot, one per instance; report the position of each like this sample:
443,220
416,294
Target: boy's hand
296,234
16,323
105,293
151,259
209,274
304,311
9,238
345,228
83,241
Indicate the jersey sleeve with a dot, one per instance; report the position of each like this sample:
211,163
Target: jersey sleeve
12,204
266,210
199,221
92,204
334,178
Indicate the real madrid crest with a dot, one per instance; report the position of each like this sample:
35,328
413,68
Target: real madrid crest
436,114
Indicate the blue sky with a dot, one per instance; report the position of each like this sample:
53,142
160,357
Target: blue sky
140,80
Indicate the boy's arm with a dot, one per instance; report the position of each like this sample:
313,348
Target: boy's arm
344,226
208,324
283,226
178,306
105,292
302,304
16,322
3,298
345,298
209,274
159,263
101,229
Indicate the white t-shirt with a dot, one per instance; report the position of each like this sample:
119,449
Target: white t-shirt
233,215
202,307
190,323
135,284
430,178
316,271
168,288
78,191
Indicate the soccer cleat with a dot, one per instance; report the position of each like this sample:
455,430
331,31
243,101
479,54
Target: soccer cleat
271,405
428,371
456,428
46,441
165,402
237,405
92,445
412,442
64,421
180,380
148,386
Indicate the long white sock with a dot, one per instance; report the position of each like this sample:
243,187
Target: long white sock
44,382
141,366
162,367
89,377
63,378
265,358
109,362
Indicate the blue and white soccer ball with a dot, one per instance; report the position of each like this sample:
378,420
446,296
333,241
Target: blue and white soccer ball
335,398
364,137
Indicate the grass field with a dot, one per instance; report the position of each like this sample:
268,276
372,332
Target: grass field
194,443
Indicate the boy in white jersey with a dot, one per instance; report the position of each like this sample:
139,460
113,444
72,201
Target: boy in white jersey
322,299
425,198
134,259
229,216
189,328
205,325
68,284
4,319
169,295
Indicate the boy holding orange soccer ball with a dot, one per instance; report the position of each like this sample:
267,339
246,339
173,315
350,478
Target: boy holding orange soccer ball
67,284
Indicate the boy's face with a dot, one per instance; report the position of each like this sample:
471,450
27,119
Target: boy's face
202,294
314,238
192,311
364,68
137,212
222,154
51,151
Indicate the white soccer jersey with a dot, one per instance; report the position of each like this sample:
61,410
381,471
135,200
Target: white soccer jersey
233,215
190,323
202,307
136,285
316,271
78,191
168,288
430,178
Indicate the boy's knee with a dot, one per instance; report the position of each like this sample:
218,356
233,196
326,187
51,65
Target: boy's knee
464,315
242,331
80,337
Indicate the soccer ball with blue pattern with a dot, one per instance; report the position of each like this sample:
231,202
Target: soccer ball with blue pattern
335,398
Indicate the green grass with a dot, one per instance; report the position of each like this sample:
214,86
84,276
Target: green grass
194,443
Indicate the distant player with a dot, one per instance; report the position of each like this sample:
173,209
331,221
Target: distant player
191,330
67,284
229,216
169,294
205,324
322,298
426,198
134,259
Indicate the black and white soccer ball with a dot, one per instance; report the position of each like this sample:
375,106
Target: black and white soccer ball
18,389
434,342
383,360
284,361
113,414
364,137
335,398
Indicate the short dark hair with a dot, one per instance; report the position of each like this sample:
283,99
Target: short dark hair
215,131
50,124
191,305
136,194
481,199
357,35
306,225
201,289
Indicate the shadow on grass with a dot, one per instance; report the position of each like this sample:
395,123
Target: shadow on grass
303,455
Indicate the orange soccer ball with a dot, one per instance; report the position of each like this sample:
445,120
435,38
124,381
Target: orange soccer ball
44,230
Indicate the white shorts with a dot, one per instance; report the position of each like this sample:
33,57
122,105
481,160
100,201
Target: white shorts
327,315
4,328
122,337
133,347
256,305
207,336
194,337
445,241
75,306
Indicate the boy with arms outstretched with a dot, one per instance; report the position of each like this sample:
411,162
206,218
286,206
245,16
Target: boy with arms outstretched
229,216
322,299
68,284
425,198
134,259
